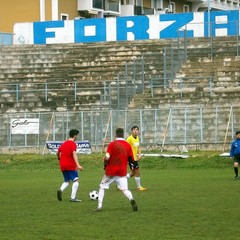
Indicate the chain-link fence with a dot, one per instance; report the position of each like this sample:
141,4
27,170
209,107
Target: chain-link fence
159,128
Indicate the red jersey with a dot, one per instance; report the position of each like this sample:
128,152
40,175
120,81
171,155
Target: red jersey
66,158
119,151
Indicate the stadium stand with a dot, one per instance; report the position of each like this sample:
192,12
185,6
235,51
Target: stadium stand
119,75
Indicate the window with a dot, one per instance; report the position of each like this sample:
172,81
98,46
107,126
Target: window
172,7
185,8
64,16
97,4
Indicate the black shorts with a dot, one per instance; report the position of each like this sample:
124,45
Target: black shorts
133,165
236,158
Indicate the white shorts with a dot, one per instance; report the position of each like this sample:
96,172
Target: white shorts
121,182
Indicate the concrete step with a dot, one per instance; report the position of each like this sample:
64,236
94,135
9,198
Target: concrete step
88,64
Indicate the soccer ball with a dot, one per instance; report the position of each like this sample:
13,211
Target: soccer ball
93,195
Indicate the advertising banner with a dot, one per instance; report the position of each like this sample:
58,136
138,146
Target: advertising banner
83,147
25,126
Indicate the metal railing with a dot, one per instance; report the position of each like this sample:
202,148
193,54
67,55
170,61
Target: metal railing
183,85
117,93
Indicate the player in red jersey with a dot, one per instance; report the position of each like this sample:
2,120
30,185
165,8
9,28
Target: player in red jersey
118,154
69,165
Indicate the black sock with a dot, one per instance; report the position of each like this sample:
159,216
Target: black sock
236,171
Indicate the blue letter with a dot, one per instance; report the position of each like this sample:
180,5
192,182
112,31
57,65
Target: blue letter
90,30
140,25
174,31
39,31
230,24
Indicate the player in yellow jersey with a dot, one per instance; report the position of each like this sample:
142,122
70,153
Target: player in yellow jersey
133,140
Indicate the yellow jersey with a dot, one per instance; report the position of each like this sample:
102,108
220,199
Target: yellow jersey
134,142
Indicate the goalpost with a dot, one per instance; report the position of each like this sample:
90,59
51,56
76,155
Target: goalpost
228,123
105,137
49,130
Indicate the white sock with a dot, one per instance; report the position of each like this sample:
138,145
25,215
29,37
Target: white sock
137,179
128,194
64,186
101,193
74,190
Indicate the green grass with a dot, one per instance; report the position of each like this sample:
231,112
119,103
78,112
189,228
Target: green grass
194,198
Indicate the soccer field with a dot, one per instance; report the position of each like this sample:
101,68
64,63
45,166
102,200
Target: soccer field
184,201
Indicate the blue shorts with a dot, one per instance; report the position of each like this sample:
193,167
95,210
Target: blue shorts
70,175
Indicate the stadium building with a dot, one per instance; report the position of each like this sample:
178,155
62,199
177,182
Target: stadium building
15,11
